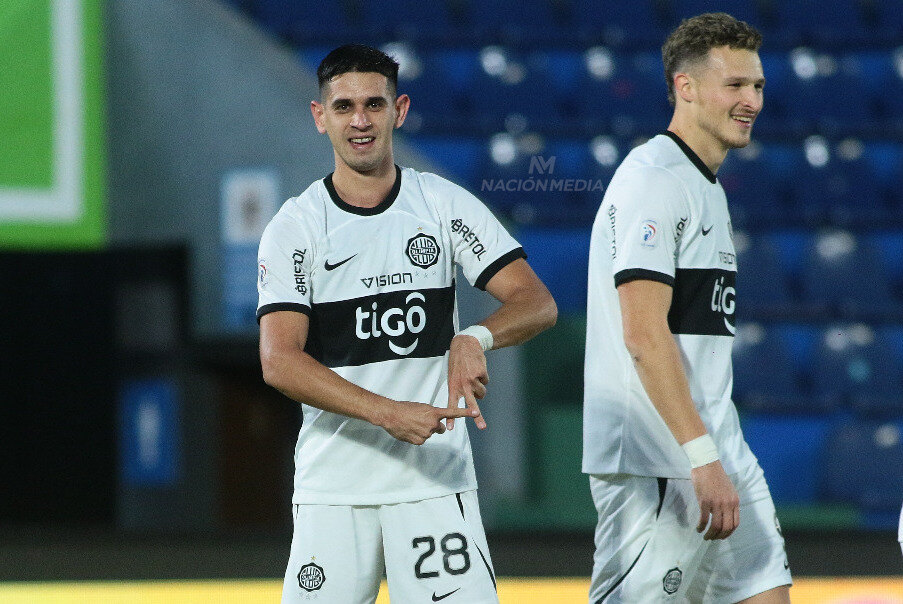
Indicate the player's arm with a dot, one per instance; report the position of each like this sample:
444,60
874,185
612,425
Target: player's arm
527,309
644,315
299,376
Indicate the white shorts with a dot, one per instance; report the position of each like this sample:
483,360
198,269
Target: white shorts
430,551
648,550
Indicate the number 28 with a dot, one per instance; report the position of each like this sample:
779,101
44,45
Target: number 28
454,549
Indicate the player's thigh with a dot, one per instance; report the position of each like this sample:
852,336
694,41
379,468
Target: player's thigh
336,555
752,560
647,549
436,549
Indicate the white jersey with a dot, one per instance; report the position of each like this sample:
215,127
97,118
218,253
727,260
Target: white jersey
379,287
664,218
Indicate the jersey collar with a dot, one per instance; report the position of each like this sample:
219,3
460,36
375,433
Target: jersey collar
377,209
691,155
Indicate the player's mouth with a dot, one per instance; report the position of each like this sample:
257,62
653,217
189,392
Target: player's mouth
744,121
362,142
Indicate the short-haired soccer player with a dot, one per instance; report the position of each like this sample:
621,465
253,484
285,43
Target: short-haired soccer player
358,323
684,510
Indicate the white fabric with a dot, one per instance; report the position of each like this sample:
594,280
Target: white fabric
661,219
370,282
481,333
352,546
700,451
644,557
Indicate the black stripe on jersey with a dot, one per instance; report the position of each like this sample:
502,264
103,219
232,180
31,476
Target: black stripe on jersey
382,327
638,274
294,306
691,155
377,209
504,260
703,302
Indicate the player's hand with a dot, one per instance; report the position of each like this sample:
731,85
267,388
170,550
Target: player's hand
416,422
467,377
717,498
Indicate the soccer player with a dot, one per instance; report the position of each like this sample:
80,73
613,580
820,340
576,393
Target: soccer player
358,322
684,510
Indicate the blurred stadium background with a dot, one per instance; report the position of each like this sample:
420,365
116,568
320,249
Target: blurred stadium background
146,142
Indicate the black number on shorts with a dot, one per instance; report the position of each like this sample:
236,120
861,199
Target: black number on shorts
431,547
449,553
458,551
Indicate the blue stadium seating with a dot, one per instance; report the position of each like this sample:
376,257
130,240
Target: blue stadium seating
765,374
863,464
844,277
560,258
757,185
854,366
793,468
763,285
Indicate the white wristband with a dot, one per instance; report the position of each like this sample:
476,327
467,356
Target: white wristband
482,334
701,451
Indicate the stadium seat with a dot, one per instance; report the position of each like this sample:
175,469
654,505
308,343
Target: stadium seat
792,467
638,24
763,288
757,185
863,464
853,365
459,157
765,375
845,277
560,258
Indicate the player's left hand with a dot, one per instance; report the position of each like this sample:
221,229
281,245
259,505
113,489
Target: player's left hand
467,376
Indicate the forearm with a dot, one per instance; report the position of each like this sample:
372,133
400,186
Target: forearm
298,376
521,317
658,364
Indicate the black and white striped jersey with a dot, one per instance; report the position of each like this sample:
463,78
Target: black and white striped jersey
379,287
664,218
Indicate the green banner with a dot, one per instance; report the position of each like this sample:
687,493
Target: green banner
52,183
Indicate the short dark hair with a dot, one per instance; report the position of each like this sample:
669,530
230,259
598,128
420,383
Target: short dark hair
357,58
693,38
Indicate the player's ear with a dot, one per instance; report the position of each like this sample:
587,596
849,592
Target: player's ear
402,104
684,87
316,109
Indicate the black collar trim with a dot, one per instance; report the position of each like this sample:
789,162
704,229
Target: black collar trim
691,155
377,209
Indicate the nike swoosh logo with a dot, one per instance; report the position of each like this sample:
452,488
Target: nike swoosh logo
442,597
330,267
705,231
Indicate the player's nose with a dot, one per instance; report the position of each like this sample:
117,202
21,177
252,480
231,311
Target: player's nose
359,120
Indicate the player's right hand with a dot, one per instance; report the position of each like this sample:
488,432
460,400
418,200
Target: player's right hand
415,422
718,500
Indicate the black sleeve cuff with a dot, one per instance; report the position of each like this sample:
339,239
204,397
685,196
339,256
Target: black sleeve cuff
490,271
638,274
293,306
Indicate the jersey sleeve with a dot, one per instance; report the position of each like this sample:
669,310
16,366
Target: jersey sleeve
647,213
481,245
284,265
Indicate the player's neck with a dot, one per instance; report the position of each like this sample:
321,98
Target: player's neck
364,189
710,150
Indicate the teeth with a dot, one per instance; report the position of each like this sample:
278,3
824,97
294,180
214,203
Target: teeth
742,119
362,140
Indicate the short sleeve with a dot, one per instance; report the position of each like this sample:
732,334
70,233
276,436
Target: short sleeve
284,265
481,245
647,212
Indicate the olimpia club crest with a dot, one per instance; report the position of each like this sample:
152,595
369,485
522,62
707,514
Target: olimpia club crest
422,250
671,580
311,577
